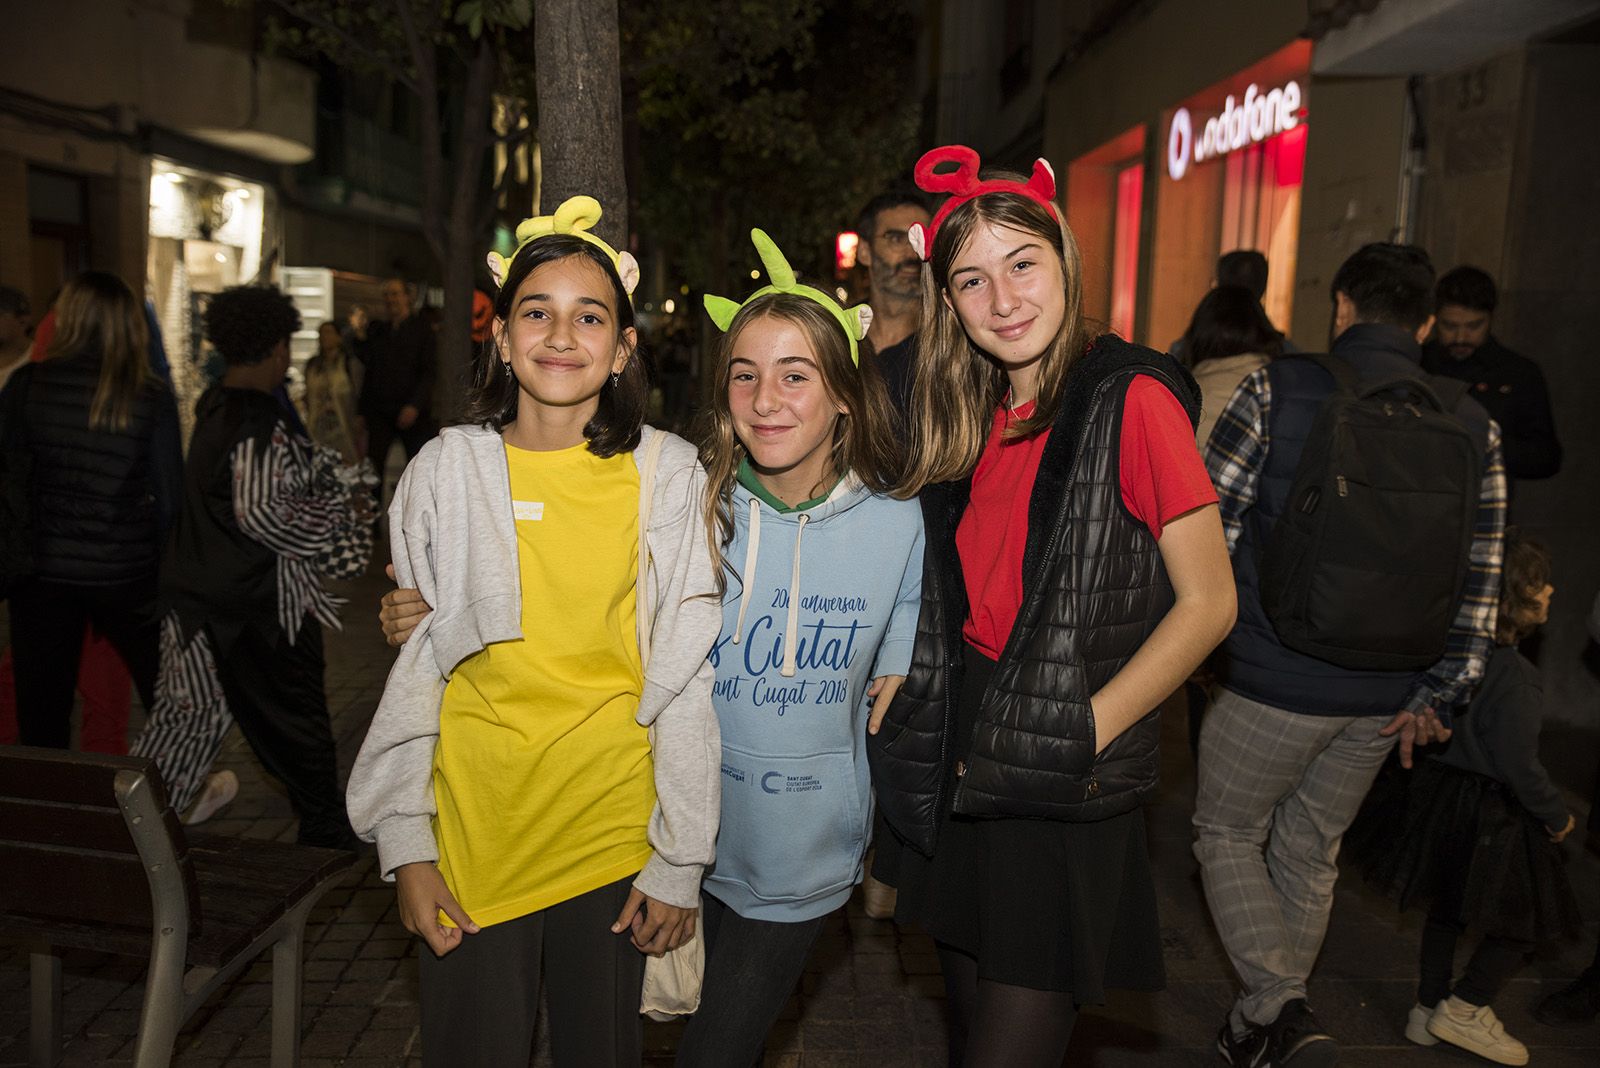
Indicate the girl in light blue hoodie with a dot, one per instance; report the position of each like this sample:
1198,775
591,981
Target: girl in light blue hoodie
822,573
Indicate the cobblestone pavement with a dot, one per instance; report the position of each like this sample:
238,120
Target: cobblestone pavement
871,995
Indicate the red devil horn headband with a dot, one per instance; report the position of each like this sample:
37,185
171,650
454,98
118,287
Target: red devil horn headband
963,185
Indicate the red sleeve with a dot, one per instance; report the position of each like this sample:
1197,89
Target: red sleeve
1161,472
43,332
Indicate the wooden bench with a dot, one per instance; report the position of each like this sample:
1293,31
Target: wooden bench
92,857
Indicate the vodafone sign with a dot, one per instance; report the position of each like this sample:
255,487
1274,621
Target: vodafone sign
1258,117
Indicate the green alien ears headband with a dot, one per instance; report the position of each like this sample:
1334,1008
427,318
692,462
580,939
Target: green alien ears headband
575,217
853,322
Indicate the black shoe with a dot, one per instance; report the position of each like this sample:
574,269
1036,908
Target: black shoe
1574,1006
1247,1052
1296,1040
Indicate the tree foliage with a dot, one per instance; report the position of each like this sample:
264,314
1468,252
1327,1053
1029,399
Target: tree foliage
784,114
455,56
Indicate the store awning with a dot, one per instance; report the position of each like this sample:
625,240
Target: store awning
1395,37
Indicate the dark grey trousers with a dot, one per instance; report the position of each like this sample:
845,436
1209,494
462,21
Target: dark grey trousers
480,1001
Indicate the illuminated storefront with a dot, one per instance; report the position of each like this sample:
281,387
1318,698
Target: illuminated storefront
206,233
1153,207
1231,158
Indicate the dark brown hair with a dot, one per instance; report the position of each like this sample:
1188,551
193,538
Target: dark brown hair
865,441
1229,321
1524,574
493,395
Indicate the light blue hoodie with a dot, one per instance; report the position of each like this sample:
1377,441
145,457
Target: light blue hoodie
819,603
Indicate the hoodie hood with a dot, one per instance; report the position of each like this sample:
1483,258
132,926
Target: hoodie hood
751,513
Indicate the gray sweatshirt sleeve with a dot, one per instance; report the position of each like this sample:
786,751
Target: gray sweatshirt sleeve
390,794
676,702
1511,738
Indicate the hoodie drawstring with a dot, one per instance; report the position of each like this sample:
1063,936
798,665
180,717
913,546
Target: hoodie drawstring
749,571
791,632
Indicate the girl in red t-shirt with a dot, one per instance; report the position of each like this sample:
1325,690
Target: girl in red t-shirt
1075,575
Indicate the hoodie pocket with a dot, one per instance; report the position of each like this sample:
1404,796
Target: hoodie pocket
792,827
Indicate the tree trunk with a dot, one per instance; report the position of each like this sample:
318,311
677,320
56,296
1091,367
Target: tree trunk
579,82
470,206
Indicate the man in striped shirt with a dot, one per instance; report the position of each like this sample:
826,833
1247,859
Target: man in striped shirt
266,517
1293,742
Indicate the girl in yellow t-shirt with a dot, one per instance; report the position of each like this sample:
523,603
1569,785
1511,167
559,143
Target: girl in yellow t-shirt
541,777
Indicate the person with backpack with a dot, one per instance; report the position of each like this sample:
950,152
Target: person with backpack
1366,612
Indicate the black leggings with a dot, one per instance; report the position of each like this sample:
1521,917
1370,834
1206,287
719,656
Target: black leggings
47,621
752,967
1491,966
997,1025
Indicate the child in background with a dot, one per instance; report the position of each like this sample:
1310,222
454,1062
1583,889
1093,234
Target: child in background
541,775
823,576
1473,832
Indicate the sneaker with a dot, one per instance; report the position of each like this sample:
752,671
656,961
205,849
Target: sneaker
1476,1029
1247,1052
1296,1040
220,791
1573,1006
1417,1025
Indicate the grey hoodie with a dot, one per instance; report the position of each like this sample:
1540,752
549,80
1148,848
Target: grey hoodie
453,537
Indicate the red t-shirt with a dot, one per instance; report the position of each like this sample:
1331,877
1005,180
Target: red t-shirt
1161,476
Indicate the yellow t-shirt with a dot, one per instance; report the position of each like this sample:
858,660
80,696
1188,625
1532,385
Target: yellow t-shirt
543,779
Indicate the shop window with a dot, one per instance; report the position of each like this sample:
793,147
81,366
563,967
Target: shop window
1125,248
1231,162
1104,198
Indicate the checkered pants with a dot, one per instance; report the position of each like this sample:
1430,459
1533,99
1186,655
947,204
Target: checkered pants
1277,791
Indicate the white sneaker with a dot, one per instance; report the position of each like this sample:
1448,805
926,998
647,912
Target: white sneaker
221,789
1417,1025
1476,1029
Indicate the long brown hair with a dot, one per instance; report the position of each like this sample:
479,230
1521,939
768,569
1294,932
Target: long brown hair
865,442
956,384
97,313
493,395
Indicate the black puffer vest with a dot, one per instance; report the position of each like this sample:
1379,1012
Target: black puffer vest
1093,589
102,499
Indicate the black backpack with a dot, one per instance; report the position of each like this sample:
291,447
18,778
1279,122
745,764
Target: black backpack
1366,565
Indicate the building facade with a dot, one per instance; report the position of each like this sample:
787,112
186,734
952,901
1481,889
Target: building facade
161,140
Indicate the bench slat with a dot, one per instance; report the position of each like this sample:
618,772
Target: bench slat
67,777
55,824
74,884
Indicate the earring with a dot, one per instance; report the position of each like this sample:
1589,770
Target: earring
505,365
614,379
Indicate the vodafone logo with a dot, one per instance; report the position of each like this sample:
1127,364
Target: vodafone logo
1258,117
1180,143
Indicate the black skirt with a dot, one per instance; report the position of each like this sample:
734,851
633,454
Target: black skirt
1039,903
1462,844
